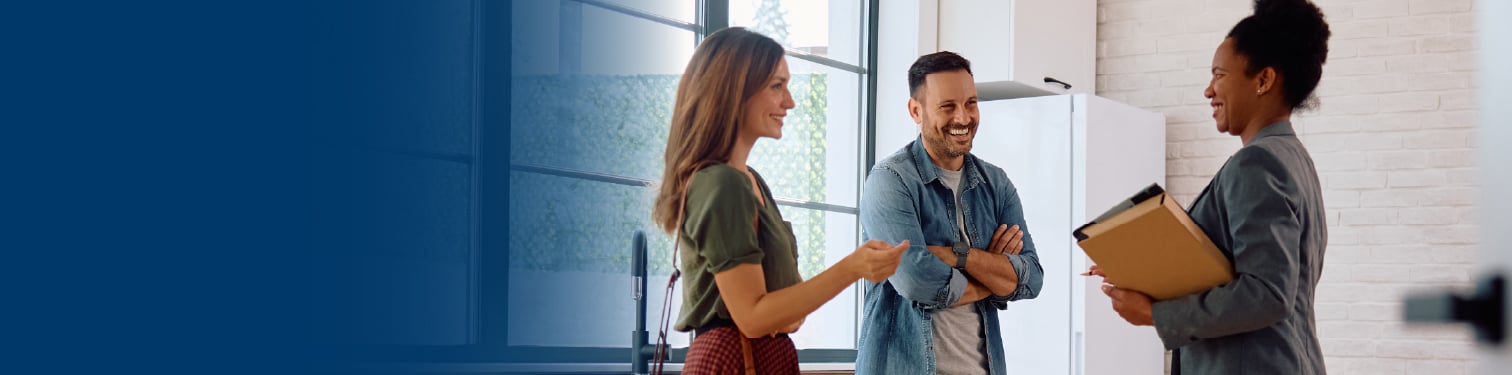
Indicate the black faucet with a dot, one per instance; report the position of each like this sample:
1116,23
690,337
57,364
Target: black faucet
641,351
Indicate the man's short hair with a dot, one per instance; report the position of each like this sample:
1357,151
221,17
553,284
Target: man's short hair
943,61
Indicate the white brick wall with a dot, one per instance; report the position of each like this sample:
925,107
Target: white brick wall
1393,141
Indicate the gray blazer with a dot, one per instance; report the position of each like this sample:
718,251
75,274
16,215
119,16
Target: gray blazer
1264,210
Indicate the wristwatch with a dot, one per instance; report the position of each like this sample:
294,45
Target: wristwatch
961,250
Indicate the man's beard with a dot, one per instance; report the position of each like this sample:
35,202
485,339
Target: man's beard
940,142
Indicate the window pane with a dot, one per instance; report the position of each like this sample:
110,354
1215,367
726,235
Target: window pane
568,37
569,261
825,238
599,98
817,158
681,10
825,28
616,44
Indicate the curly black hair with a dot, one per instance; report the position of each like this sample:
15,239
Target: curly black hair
943,61
1290,36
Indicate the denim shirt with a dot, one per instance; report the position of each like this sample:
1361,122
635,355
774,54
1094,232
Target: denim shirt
905,199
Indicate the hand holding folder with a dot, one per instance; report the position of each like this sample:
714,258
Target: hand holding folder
1148,243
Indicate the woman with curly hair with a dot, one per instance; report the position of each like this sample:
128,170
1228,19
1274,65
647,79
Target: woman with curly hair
1264,209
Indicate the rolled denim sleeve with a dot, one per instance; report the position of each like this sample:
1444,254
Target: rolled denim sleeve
889,213
1031,276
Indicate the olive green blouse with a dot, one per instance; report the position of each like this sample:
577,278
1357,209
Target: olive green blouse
719,234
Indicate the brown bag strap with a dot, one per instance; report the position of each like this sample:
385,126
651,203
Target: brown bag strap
662,348
745,342
745,350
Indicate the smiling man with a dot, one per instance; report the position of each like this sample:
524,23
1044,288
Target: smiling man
972,253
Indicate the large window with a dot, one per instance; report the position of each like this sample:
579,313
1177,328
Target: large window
591,96
500,160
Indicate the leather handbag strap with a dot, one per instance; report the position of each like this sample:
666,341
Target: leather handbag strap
745,351
745,342
662,347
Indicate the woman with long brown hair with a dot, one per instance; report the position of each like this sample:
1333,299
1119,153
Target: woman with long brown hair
742,293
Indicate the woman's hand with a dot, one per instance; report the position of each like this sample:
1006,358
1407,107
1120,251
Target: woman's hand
1095,271
875,260
1133,306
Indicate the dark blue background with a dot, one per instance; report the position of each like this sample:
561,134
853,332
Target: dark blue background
169,172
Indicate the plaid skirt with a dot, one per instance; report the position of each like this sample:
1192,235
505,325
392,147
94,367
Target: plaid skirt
718,351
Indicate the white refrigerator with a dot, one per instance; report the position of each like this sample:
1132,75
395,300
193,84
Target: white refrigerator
1072,157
